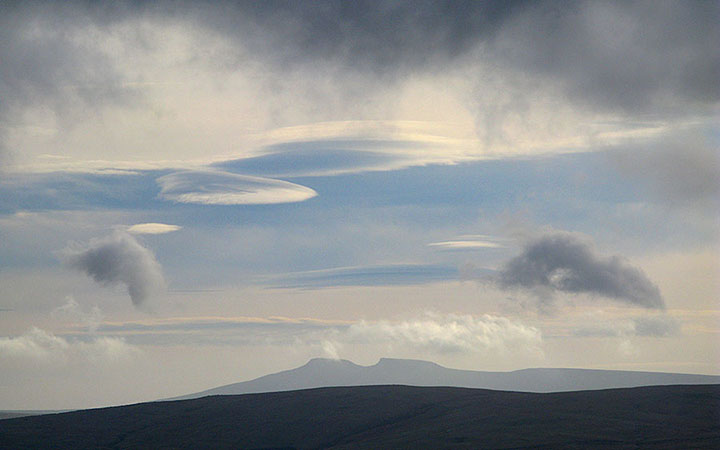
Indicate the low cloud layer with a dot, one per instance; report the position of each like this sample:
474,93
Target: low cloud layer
651,326
38,346
564,262
681,170
377,275
452,333
222,188
119,259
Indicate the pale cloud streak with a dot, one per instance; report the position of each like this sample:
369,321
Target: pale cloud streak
647,326
222,188
152,228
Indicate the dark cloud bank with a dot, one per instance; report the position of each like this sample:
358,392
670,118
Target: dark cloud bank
641,56
563,262
119,259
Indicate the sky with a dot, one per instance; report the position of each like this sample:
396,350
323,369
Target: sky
199,193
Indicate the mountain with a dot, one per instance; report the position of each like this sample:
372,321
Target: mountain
327,372
391,417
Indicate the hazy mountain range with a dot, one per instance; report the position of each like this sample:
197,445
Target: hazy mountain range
328,372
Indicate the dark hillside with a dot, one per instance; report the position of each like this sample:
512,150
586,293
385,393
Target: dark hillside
391,417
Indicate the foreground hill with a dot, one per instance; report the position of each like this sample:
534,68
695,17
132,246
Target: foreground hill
391,417
327,372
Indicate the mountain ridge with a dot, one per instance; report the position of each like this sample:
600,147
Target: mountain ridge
326,372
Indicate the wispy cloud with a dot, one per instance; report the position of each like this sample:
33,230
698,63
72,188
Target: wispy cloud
119,259
72,310
650,326
152,228
469,242
38,346
376,275
452,333
223,188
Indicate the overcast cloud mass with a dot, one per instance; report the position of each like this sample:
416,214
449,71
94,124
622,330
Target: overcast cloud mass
275,181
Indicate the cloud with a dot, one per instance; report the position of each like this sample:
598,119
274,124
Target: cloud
563,262
660,326
209,330
638,57
451,333
651,326
442,334
681,170
38,346
73,311
47,65
468,242
376,275
119,259
641,57
223,188
343,147
152,228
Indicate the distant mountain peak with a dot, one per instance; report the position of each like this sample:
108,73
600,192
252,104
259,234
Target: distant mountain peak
319,372
329,362
397,362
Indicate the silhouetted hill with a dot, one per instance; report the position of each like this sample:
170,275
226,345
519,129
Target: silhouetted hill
327,372
391,417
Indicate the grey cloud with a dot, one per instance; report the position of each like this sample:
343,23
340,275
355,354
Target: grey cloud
119,259
651,326
660,326
682,170
655,57
45,65
378,275
563,262
373,37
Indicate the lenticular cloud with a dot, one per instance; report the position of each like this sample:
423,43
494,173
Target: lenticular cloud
223,188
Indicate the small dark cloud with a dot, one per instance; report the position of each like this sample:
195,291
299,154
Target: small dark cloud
563,262
119,259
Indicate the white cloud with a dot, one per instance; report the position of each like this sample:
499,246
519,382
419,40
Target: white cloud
459,245
452,333
222,188
38,346
72,310
152,228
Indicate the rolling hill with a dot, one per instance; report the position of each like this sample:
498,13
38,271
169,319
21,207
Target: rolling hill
374,417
